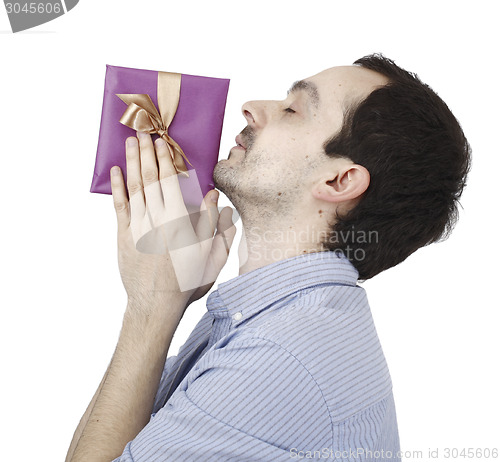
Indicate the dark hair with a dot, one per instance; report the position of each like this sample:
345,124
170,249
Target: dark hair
418,159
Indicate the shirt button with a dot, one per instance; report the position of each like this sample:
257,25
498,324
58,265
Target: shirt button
237,316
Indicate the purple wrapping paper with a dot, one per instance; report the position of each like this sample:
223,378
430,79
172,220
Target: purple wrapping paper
196,127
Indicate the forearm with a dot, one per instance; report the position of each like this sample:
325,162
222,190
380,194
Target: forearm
124,404
84,419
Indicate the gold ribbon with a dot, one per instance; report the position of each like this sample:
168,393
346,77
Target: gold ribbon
142,115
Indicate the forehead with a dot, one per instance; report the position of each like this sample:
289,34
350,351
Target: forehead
338,84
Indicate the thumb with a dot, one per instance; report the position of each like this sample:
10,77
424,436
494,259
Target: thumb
221,245
209,215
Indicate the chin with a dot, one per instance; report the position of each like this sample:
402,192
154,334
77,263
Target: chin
220,176
225,179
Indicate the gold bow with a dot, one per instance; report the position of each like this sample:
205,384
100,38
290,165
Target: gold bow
142,115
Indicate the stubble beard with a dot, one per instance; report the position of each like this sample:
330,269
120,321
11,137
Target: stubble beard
228,179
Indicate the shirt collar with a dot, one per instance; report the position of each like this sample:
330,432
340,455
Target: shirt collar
250,293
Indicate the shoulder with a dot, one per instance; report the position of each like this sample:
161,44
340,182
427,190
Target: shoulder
254,384
331,333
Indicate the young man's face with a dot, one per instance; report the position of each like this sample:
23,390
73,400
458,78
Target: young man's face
280,152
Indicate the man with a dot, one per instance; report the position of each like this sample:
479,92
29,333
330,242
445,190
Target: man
357,168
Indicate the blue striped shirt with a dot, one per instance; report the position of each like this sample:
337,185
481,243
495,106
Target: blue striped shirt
286,364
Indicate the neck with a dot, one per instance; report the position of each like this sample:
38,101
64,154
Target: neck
263,242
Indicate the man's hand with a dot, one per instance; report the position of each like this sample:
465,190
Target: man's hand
165,263
160,253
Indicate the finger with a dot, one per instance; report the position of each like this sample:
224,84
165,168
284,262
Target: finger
226,230
155,207
134,180
221,245
164,159
169,180
153,194
209,214
149,170
120,200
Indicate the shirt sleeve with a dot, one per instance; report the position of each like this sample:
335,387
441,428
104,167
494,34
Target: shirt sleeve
175,366
247,399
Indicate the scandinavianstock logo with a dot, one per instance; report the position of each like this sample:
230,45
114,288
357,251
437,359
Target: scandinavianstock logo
25,14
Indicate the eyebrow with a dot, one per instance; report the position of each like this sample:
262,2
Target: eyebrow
309,87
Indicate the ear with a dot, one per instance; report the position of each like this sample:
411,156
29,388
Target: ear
350,181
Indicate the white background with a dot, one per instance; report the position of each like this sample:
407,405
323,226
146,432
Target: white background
61,296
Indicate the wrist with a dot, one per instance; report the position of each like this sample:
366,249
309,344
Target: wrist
152,320
157,303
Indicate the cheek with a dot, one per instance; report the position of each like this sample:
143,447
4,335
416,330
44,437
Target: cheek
282,144
290,151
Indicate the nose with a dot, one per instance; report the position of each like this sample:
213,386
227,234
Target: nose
255,112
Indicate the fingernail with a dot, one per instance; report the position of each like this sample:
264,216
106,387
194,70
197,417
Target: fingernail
160,142
214,196
131,141
142,134
115,171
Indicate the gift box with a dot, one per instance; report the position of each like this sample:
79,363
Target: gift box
187,111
